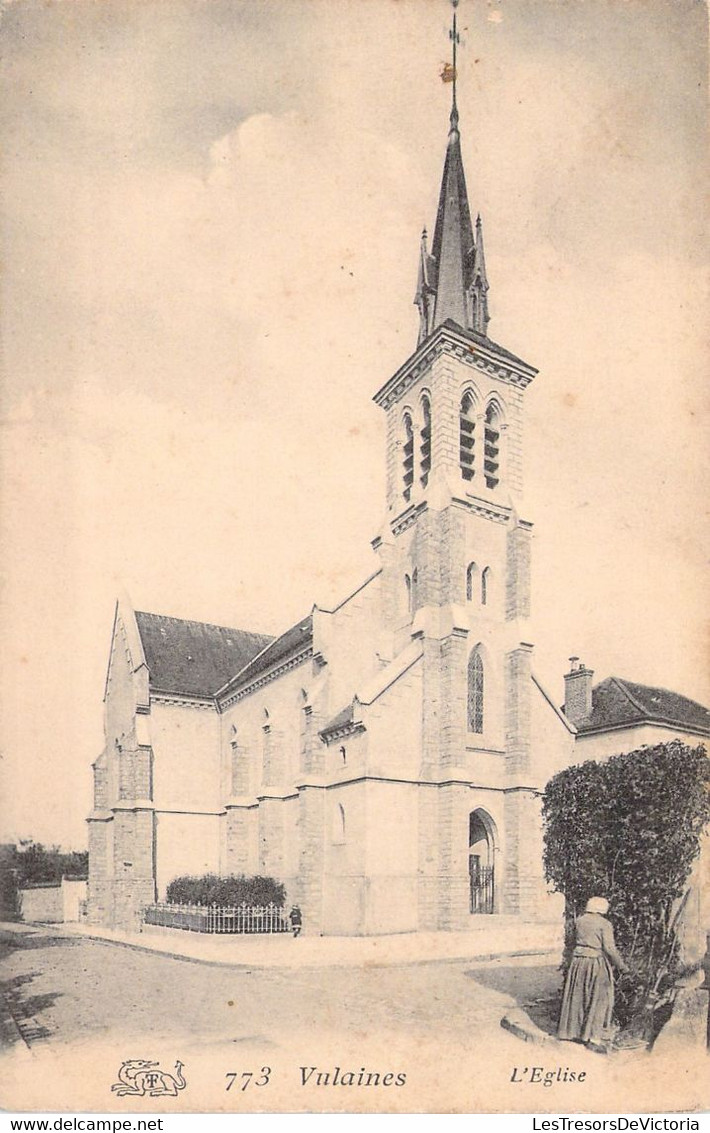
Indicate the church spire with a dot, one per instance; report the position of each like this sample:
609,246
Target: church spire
454,284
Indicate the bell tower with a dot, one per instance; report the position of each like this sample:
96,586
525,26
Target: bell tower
454,549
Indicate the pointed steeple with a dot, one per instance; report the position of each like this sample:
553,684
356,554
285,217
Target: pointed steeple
453,245
452,281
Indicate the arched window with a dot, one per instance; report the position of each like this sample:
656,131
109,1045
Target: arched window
415,585
485,586
408,457
339,824
408,591
425,447
467,440
491,463
471,581
475,692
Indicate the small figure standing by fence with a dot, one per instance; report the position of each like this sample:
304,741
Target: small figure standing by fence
296,919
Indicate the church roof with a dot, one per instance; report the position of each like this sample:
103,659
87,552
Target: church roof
342,719
618,703
194,658
453,246
293,641
488,343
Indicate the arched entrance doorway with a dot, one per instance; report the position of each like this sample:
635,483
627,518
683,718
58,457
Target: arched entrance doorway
481,866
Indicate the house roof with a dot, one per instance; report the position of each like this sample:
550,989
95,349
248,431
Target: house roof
194,658
616,702
293,641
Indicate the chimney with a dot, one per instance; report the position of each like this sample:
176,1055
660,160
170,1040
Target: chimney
578,691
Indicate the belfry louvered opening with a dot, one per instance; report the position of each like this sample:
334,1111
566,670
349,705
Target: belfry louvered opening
467,437
491,462
408,456
425,445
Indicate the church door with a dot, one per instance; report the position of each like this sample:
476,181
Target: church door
480,866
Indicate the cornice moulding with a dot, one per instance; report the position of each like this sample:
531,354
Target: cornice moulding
446,341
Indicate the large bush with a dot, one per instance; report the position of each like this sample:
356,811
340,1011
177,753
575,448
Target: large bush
629,829
209,889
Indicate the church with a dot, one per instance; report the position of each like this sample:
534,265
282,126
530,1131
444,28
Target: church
385,758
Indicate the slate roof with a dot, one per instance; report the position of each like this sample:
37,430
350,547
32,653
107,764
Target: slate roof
293,641
344,717
453,237
194,658
616,702
484,340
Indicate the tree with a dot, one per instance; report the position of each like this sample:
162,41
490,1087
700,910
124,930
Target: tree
36,863
629,829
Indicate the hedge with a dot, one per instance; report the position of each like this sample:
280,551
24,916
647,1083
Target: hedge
209,889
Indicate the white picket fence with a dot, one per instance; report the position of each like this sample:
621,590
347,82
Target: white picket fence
218,918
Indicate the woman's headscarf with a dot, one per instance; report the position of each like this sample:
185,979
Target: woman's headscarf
597,905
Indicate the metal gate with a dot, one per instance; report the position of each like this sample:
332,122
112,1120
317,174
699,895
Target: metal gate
482,888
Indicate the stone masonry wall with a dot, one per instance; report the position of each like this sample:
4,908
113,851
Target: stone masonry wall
100,783
100,887
452,736
518,710
238,854
432,706
453,856
135,772
272,834
134,867
309,887
428,871
518,560
513,438
452,556
523,883
446,398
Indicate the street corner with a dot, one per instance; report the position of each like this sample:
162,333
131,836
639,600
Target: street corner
520,1023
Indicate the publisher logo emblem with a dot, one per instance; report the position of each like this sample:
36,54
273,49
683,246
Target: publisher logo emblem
140,1078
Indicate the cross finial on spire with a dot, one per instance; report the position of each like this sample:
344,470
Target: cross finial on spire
455,40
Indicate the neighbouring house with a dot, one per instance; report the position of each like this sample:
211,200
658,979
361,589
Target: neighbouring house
619,715
384,758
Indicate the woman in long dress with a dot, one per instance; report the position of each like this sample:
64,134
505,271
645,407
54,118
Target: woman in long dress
588,997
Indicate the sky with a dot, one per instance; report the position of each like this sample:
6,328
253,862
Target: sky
210,229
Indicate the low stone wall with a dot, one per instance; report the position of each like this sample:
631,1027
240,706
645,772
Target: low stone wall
53,903
42,903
